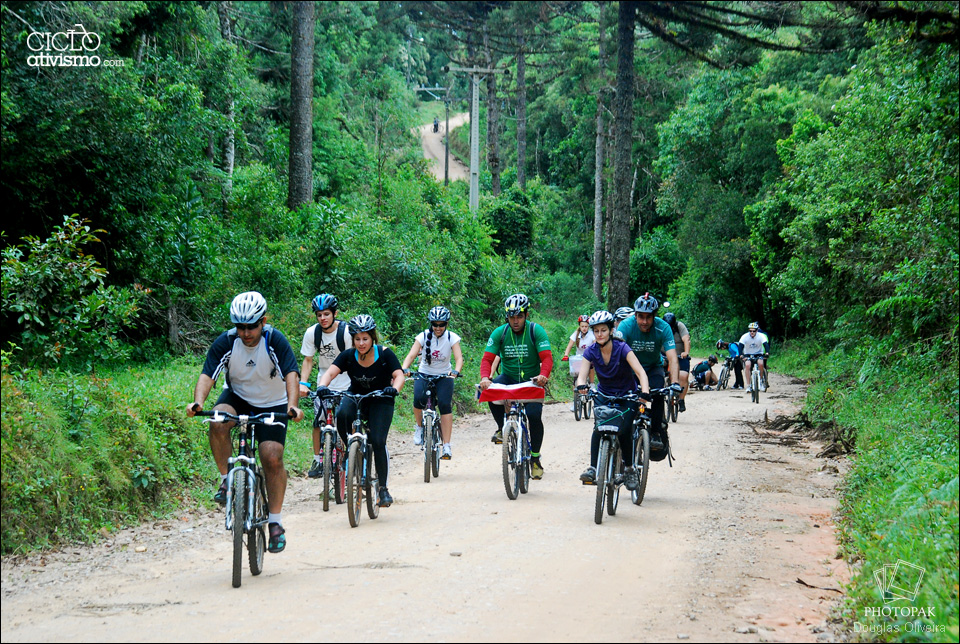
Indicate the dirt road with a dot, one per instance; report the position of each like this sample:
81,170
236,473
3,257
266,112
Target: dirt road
433,148
713,554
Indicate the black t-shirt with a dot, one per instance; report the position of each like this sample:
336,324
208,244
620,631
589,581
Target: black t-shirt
363,380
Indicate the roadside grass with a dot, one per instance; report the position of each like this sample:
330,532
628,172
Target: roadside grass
900,499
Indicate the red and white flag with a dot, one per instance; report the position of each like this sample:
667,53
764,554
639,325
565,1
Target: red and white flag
522,392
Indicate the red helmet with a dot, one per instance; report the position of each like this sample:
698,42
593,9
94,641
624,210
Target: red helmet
583,318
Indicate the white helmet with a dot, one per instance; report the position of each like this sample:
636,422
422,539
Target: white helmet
601,317
362,323
247,308
516,304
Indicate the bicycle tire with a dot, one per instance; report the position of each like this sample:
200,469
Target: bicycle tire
577,410
256,537
616,467
372,488
354,476
724,377
437,448
587,408
674,408
427,446
526,462
755,385
327,456
602,463
511,482
239,506
642,456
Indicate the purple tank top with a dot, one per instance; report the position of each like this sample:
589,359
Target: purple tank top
615,378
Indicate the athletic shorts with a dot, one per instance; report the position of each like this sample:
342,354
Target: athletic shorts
262,433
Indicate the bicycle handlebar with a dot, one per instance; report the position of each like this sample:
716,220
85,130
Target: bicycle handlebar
218,416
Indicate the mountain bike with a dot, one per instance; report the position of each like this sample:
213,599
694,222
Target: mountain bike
582,403
332,452
361,482
664,397
246,507
724,378
610,463
516,451
754,377
432,437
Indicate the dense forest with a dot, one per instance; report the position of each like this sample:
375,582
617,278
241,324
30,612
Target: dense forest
793,163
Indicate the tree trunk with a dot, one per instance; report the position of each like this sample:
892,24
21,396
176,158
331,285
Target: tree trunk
493,118
229,149
619,232
301,106
522,116
598,171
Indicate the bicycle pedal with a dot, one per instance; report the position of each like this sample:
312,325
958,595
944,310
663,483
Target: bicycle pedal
593,483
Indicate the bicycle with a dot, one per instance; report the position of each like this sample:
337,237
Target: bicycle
754,377
610,466
582,403
516,451
666,394
361,483
246,509
332,452
724,378
432,437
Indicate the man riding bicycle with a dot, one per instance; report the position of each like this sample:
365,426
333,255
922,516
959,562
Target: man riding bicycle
649,336
756,345
262,376
524,351
322,343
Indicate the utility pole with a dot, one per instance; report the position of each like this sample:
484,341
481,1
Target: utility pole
476,74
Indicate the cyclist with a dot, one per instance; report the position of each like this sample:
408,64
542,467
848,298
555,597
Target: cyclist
619,316
525,354
755,344
435,346
326,339
370,367
681,338
649,336
703,373
618,372
733,351
262,376
581,338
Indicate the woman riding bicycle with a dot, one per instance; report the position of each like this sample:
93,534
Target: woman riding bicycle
618,372
581,339
435,346
370,367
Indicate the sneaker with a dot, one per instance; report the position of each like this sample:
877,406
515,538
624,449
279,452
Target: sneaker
630,478
385,499
447,453
316,470
497,437
749,390
707,388
682,406
656,441
738,386
536,469
221,495
418,436
277,541
763,388
589,476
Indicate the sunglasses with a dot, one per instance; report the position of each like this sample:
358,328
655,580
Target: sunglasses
439,325
247,327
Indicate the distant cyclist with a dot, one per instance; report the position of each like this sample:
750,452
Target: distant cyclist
581,339
262,377
649,336
322,343
524,351
618,372
371,367
619,316
703,373
435,346
681,337
757,345
733,352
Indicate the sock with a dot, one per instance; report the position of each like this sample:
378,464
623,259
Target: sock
316,458
223,478
275,518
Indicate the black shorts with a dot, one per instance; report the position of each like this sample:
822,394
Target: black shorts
262,433
684,364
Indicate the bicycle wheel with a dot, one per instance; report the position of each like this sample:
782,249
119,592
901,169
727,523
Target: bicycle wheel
339,474
523,471
327,456
372,488
354,481
239,507
437,448
602,467
577,406
427,446
587,408
257,538
616,469
755,385
642,456
674,408
511,481
724,377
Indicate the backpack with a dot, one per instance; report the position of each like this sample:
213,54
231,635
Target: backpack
341,336
267,335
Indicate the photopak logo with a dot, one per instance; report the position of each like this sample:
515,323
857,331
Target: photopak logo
899,582
75,47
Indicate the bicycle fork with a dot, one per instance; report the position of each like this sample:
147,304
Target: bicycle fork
231,490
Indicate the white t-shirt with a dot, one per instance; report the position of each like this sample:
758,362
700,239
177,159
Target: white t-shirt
250,372
327,352
584,342
441,350
754,345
